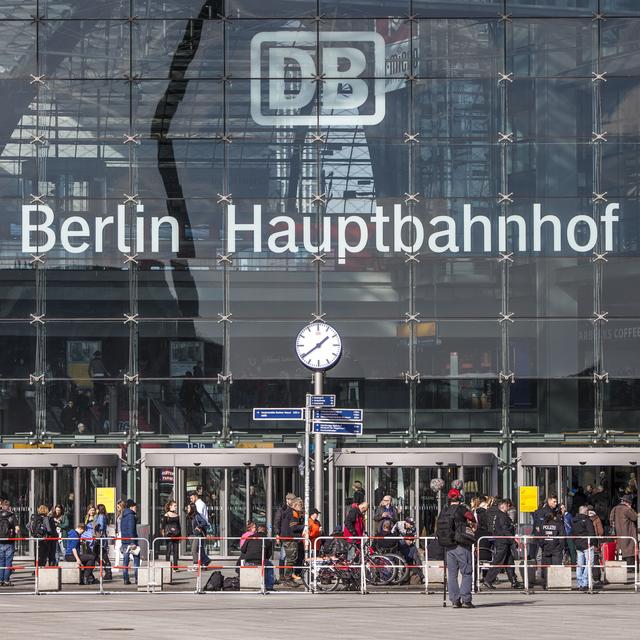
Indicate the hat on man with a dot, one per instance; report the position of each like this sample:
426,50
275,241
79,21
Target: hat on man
627,498
453,494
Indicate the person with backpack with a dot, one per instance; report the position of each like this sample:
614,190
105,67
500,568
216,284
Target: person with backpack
101,547
455,530
41,527
129,535
199,528
8,529
170,528
293,527
499,525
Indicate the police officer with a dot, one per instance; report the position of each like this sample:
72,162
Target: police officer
549,506
500,524
552,548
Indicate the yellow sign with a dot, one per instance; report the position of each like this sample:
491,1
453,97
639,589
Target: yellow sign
528,499
107,497
42,445
255,445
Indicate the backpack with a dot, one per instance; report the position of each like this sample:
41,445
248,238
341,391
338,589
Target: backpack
215,582
231,584
37,527
445,527
465,534
6,530
172,529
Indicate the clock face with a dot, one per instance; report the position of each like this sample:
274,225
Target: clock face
319,346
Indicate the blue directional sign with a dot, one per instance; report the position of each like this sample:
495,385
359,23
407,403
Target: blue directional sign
338,428
278,414
338,414
326,400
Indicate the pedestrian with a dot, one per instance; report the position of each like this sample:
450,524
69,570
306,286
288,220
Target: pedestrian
42,528
101,548
358,492
624,522
354,526
502,528
455,530
62,525
582,526
74,553
277,526
598,583
129,535
553,543
198,532
567,521
408,546
170,527
385,512
292,526
117,547
257,551
8,529
314,528
535,545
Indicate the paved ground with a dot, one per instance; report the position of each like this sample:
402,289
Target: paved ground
240,616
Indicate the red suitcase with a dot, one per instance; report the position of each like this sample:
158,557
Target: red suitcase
608,551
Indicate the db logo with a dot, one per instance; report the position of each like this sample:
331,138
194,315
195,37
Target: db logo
329,78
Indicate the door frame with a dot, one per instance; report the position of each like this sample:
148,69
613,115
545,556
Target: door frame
560,457
413,457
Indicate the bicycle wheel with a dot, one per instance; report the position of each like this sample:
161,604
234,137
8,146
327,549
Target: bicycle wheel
379,570
323,577
401,571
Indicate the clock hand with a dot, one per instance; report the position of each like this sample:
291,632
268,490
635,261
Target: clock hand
304,355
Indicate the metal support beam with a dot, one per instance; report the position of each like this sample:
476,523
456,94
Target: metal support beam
318,475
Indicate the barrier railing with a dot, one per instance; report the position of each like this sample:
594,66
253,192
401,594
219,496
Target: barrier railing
529,543
331,563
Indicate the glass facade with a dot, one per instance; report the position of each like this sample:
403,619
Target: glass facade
128,110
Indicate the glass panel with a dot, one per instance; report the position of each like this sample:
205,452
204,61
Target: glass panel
92,479
477,482
209,484
431,502
237,512
15,486
467,9
66,493
397,482
43,488
619,46
551,47
258,495
552,8
352,491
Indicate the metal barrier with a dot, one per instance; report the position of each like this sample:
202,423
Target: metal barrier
525,541
361,565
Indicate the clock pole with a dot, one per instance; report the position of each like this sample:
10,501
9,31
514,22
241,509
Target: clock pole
318,475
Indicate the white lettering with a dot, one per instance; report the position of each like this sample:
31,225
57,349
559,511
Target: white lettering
280,96
398,223
66,232
343,243
122,245
289,234
44,227
503,221
101,223
156,223
307,224
254,227
380,220
449,233
608,218
571,233
537,228
334,96
468,222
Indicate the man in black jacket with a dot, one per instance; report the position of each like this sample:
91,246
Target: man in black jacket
277,526
582,526
500,524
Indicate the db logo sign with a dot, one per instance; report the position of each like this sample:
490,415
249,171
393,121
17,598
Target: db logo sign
329,78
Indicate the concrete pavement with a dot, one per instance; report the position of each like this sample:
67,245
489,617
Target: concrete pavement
239,616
